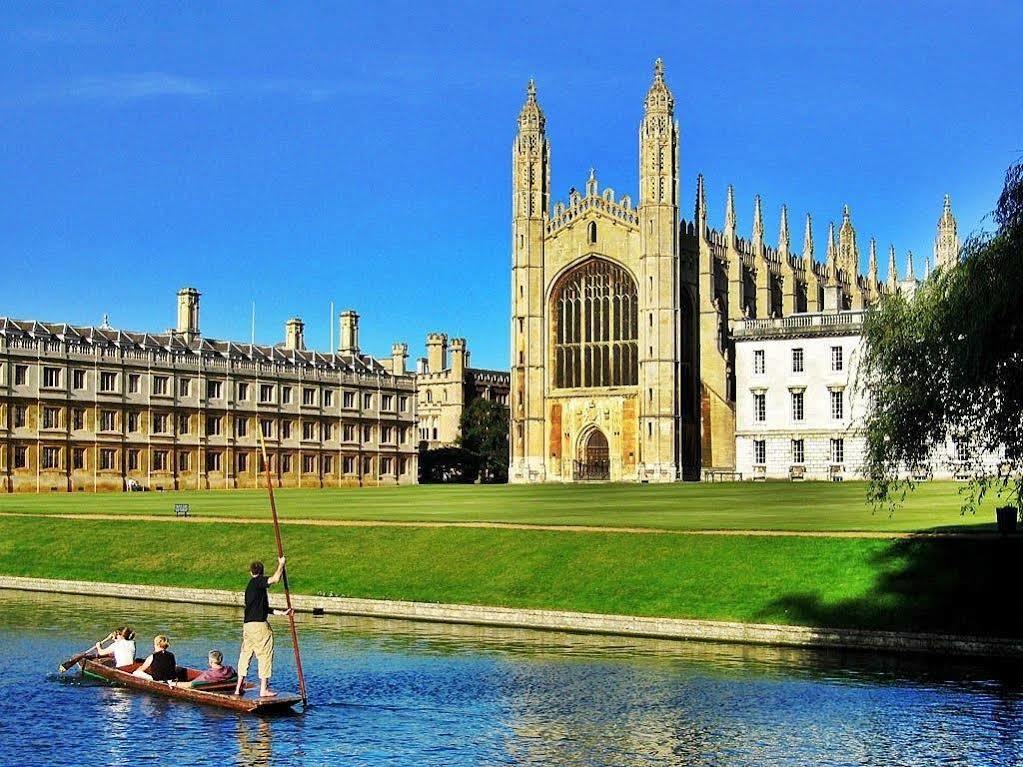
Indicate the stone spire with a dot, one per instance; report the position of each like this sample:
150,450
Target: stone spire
659,98
783,232
758,222
946,243
658,145
910,276
872,267
832,252
701,206
730,213
591,183
848,257
531,117
927,267
893,270
808,243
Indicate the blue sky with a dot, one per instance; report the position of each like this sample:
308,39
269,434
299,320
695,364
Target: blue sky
295,154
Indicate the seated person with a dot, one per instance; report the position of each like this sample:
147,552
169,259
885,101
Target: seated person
217,672
122,647
161,665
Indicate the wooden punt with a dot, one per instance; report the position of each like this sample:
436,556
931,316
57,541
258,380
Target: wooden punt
219,694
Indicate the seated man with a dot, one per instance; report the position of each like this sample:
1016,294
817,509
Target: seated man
217,672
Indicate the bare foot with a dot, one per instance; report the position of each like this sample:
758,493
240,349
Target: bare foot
237,691
267,694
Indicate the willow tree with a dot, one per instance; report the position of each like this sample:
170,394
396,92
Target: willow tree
947,364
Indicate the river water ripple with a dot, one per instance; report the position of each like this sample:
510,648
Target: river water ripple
402,693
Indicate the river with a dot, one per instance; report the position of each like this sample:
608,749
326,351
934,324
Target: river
404,693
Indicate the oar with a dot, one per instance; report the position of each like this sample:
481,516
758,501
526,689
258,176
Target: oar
284,574
70,662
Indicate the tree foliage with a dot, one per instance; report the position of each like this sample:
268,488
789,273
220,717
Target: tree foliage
449,465
947,363
484,432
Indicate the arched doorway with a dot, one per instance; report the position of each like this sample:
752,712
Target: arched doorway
594,457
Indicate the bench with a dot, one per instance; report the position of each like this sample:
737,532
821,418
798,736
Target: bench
181,509
722,475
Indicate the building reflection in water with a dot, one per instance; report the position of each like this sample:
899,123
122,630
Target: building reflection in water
255,742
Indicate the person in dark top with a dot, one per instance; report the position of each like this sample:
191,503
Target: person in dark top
257,636
161,665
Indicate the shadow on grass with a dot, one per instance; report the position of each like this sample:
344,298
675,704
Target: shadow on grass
956,586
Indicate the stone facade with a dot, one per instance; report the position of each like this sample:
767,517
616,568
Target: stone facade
800,409
446,384
95,408
623,357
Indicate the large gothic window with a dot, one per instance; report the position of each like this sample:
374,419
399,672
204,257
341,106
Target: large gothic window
596,325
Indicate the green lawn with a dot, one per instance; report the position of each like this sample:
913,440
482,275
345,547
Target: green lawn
959,585
726,506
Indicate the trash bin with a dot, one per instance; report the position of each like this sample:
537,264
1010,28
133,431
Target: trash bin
1007,516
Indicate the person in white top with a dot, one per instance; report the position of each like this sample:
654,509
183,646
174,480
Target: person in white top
122,647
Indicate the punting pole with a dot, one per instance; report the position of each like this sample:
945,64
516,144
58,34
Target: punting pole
284,575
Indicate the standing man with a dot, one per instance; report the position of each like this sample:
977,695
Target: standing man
257,636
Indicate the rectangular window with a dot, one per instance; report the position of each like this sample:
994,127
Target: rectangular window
242,461
267,427
759,407
367,433
267,465
758,362
838,450
159,460
78,379
347,464
385,434
403,435
403,465
838,405
133,423
285,395
107,459
243,391
328,464
836,358
107,420
241,427
286,463
133,383
349,399
77,418
20,375
385,465
51,418
797,406
387,402
308,464
798,455
184,385
759,452
403,404
20,415
133,460
285,429
367,401
51,457
348,432
213,458
213,426
367,466
184,460
182,423
797,360
20,457
308,396
962,448
214,389
308,430
328,432
51,377
78,458
159,423
328,398
266,393
107,382
160,385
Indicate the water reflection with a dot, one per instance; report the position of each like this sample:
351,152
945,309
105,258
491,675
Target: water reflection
395,692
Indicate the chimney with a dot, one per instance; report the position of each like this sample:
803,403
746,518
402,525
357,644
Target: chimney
459,357
349,332
421,366
399,355
294,334
188,313
437,352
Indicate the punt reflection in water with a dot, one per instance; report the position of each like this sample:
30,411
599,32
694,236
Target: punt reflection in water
396,692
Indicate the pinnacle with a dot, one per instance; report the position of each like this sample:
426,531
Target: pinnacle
659,70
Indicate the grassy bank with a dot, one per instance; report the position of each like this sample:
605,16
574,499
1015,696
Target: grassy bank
725,506
961,586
